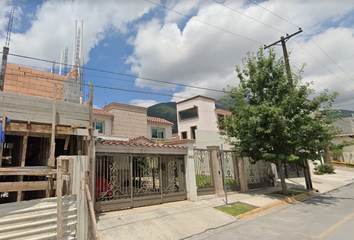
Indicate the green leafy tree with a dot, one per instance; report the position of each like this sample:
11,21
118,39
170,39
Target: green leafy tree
272,117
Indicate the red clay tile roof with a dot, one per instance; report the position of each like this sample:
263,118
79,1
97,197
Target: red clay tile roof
141,137
158,120
125,143
101,112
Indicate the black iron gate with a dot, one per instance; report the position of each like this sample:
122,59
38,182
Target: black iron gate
124,181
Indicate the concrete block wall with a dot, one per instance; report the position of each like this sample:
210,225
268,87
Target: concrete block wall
129,121
33,82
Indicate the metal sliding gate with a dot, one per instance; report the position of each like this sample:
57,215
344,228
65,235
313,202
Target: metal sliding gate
125,181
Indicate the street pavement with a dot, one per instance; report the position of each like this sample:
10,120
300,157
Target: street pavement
325,216
191,220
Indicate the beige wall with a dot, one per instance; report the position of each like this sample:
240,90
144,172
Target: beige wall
129,121
348,152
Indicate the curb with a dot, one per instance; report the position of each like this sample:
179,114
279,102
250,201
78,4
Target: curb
277,204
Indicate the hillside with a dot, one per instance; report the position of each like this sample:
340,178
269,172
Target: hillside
346,113
166,111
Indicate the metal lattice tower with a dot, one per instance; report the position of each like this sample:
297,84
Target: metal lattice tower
6,49
66,61
9,27
77,49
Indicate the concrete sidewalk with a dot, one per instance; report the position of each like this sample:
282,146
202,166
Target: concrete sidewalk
179,220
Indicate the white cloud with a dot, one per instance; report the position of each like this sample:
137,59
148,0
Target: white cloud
143,103
203,56
52,27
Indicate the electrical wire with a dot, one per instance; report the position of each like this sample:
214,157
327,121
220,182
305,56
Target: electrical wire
208,24
309,37
121,74
104,87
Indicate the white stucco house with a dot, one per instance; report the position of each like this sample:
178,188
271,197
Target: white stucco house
198,119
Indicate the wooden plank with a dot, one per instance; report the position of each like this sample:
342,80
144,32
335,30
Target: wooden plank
59,200
66,142
15,127
91,144
3,120
92,213
24,186
90,170
23,160
54,122
27,171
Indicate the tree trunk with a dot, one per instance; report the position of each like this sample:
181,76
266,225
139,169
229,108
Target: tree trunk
282,177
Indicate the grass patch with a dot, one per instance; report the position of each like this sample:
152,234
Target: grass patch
236,209
291,192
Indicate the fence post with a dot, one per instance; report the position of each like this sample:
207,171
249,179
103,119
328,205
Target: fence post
236,171
216,170
242,174
191,184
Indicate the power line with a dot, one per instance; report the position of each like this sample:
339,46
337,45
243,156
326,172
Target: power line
308,38
274,13
235,10
105,87
322,64
329,56
121,74
210,25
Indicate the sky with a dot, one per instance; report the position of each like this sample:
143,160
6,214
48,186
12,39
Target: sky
143,52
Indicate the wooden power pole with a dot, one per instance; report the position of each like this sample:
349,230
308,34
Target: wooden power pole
288,73
285,52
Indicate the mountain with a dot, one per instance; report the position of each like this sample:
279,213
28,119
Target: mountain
219,104
168,112
346,113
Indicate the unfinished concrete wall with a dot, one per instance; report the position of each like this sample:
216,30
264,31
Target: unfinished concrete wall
71,91
129,120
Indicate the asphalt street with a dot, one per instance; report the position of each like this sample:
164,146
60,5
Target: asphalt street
326,216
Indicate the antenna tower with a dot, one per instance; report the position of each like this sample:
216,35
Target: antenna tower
77,49
66,61
6,49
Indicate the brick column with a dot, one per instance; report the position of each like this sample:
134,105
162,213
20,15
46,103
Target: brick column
216,170
242,174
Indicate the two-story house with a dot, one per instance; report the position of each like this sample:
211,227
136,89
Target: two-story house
198,119
126,122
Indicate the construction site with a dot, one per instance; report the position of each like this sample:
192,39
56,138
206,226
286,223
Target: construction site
47,149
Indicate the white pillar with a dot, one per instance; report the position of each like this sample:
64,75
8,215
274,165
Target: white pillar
61,61
191,184
74,46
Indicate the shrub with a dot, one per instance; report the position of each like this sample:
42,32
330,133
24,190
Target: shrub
325,168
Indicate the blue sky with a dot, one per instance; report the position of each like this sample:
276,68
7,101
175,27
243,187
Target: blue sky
156,40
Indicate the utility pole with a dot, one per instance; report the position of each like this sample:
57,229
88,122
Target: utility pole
5,50
285,52
288,73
